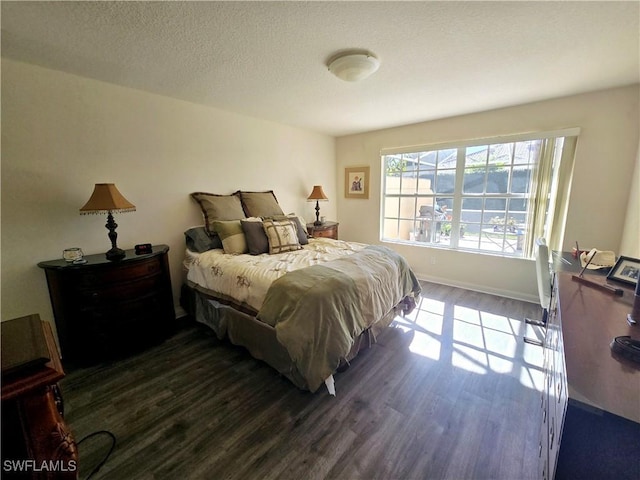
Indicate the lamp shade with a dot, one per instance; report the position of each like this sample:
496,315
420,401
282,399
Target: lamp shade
105,199
317,194
353,67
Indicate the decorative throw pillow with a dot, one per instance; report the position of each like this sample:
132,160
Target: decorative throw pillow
232,236
303,238
218,207
282,236
260,204
257,241
198,240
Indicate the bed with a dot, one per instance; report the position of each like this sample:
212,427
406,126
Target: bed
306,306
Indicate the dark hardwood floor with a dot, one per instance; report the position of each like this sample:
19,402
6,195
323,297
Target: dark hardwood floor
450,392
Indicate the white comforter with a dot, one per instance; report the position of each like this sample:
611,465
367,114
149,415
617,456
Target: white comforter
246,278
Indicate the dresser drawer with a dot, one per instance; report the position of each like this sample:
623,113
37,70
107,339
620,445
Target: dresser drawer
326,230
95,295
103,277
328,233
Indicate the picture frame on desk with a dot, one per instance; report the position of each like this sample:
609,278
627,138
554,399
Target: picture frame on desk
626,270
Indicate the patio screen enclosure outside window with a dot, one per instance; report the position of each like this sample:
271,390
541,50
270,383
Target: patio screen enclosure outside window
494,196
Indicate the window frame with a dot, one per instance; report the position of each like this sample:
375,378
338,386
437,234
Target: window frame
546,162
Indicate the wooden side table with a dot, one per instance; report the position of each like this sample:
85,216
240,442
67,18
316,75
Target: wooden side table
34,432
326,230
105,309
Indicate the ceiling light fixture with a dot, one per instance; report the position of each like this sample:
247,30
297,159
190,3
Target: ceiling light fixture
352,67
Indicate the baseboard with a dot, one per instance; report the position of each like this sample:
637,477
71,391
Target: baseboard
479,288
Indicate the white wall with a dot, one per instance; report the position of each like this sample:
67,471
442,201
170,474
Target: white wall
630,245
605,158
61,134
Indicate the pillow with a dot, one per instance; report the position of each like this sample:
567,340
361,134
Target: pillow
198,240
282,236
232,236
257,241
301,230
218,207
260,204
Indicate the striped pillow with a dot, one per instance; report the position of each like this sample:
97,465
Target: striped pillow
282,235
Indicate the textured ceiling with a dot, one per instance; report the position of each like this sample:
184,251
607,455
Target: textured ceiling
268,59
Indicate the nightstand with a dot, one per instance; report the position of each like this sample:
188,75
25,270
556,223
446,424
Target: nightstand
326,230
106,309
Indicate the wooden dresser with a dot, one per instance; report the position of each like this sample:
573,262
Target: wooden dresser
105,309
327,230
36,441
591,398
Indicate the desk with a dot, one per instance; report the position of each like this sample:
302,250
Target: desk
592,428
32,425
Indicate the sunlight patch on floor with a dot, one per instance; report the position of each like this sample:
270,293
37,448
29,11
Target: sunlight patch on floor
477,341
430,322
470,359
426,346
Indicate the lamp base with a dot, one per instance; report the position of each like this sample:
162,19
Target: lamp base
317,223
115,254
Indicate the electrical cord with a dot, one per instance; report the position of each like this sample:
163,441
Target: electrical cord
104,460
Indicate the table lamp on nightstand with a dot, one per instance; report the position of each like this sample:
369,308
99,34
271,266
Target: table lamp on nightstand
107,199
318,195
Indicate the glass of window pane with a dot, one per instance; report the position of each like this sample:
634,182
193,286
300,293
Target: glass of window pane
527,152
500,154
445,181
473,180
408,184
476,156
407,208
390,228
392,184
391,206
447,158
497,180
521,179
406,229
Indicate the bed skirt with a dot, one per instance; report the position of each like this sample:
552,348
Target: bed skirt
243,329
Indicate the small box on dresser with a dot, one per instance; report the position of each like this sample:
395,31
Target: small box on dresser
106,309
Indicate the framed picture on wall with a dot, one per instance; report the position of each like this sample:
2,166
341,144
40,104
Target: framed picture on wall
626,270
356,182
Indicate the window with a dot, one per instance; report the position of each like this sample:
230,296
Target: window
493,196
